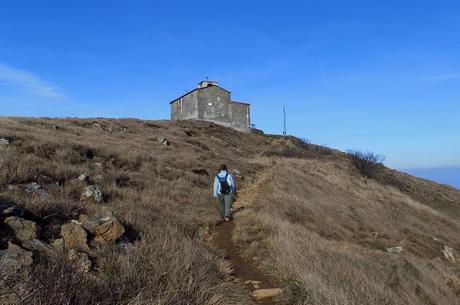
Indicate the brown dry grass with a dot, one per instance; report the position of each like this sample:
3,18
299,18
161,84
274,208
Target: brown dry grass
312,222
161,193
323,230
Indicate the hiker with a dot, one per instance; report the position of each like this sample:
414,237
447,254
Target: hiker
224,188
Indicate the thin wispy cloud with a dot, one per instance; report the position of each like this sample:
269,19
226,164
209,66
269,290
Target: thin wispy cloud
442,78
28,82
323,75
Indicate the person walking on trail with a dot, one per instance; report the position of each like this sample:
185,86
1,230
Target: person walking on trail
224,188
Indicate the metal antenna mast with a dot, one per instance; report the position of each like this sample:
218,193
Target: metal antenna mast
284,120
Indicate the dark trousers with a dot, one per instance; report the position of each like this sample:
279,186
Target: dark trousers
225,204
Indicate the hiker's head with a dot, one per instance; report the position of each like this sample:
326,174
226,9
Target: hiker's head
223,167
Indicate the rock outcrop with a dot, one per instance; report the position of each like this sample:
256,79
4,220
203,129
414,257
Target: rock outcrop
74,236
106,229
24,230
15,257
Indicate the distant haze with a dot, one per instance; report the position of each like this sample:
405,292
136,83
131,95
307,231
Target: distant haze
444,175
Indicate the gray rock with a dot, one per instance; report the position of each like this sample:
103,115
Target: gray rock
92,191
396,250
237,173
83,177
34,187
24,230
37,245
15,258
4,141
449,253
163,141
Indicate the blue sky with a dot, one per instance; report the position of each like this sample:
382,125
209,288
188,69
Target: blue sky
372,75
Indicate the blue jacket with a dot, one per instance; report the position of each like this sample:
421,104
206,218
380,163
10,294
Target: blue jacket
217,184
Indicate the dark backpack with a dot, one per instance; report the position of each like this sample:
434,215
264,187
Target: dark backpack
224,186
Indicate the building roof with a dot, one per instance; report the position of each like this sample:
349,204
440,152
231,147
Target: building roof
196,89
241,103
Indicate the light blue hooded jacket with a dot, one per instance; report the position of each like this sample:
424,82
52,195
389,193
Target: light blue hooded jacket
217,184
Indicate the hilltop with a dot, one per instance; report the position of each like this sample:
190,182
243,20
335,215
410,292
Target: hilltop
309,219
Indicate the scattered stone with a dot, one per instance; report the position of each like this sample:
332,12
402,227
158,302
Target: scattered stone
249,282
79,260
107,229
396,250
4,141
76,222
24,230
74,236
163,141
92,191
15,258
448,253
34,187
37,245
237,173
83,177
261,294
10,210
96,125
375,234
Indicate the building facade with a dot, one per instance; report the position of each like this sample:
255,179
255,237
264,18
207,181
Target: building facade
209,102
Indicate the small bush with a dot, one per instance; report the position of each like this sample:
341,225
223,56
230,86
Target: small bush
304,141
367,163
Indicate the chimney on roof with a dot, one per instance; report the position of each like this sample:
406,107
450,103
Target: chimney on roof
207,83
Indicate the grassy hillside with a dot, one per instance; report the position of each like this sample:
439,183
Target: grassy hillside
311,220
324,230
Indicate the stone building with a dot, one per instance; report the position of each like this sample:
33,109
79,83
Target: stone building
210,102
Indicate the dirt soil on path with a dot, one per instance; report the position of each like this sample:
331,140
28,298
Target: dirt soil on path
244,270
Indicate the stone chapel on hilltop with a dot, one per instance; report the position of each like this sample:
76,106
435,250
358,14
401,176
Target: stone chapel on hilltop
210,102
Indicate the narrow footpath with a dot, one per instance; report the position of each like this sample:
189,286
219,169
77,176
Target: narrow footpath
259,286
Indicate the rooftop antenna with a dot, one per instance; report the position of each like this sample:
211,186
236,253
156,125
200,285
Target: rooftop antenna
284,121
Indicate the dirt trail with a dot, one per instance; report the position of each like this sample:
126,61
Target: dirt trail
244,269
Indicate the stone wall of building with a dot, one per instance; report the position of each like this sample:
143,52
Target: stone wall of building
214,105
186,107
240,116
